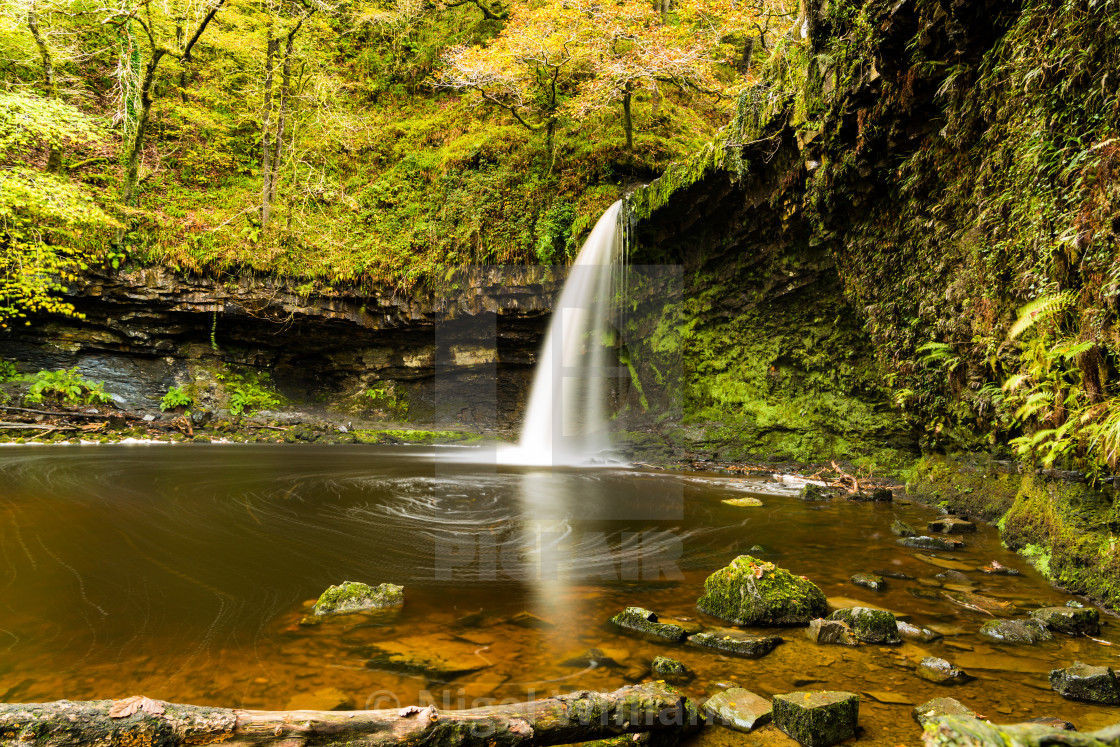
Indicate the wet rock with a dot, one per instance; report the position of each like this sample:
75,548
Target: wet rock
955,565
644,622
951,525
916,634
941,672
738,709
954,577
744,502
869,581
817,719
671,670
878,495
327,699
736,642
354,596
531,621
902,529
1086,683
868,625
925,542
756,592
831,631
939,707
1070,620
895,575
810,492
1075,604
1053,722
438,656
596,657
998,568
1016,631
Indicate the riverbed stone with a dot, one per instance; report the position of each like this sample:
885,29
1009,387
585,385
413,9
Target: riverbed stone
1053,722
671,670
645,623
1087,683
817,718
939,707
902,529
831,631
869,625
736,642
755,592
925,542
438,656
951,525
997,568
810,492
1016,631
869,581
941,672
354,596
738,709
595,657
954,577
1070,620
915,633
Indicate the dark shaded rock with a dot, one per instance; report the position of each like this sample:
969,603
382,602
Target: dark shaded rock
1016,631
1053,722
354,596
895,575
755,592
817,719
869,581
810,492
738,709
831,631
884,495
1070,620
869,625
954,577
1087,683
998,568
902,529
671,670
926,542
941,672
938,707
951,525
736,642
644,622
915,634
920,592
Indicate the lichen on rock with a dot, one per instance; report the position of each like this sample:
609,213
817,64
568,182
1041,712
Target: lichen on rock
755,592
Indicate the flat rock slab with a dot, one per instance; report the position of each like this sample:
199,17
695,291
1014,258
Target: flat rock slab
1002,663
736,642
925,542
831,631
888,698
1087,683
645,623
941,672
1070,620
869,581
939,707
817,718
1016,631
438,656
869,625
951,525
738,709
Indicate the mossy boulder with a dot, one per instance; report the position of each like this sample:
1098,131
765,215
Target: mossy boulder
925,542
902,529
810,492
354,596
755,592
869,625
645,623
736,642
875,494
738,709
671,670
1087,683
1070,620
871,581
1016,631
817,719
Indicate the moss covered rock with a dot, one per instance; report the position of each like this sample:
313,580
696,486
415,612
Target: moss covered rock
926,542
671,670
736,642
354,596
902,529
939,707
869,581
1016,631
1086,683
869,625
645,623
1070,620
755,592
738,709
811,492
817,719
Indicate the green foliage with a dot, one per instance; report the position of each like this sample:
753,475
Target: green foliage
387,400
177,396
249,391
554,233
28,120
8,371
67,387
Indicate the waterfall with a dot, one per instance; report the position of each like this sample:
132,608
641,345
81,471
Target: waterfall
565,422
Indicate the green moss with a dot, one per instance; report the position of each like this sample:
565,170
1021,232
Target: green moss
353,596
870,625
398,436
755,592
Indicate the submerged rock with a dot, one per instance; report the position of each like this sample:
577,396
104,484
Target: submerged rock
998,568
869,625
596,657
883,495
817,719
437,656
941,672
831,631
939,707
954,577
916,634
925,542
529,620
810,492
951,525
902,529
1086,683
644,622
1053,722
736,642
898,575
1016,631
671,670
738,709
1070,620
354,596
869,581
755,592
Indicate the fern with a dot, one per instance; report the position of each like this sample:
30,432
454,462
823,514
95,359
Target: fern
1039,310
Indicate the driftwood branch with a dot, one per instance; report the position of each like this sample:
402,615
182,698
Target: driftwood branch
563,719
952,731
68,414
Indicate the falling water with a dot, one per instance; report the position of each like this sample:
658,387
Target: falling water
565,422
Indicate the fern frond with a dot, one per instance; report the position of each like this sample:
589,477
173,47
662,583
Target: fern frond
1039,310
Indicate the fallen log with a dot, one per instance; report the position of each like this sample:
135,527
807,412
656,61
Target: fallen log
562,719
954,731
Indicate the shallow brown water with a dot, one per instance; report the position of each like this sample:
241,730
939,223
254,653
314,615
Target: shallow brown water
181,572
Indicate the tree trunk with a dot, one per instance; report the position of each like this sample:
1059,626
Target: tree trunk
132,178
748,52
627,121
563,719
282,116
266,124
54,153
